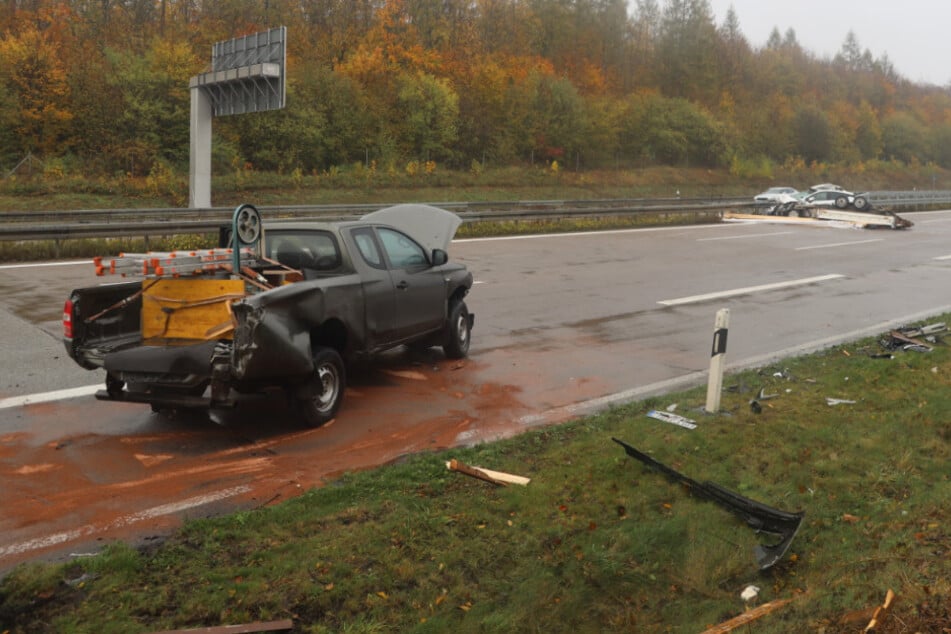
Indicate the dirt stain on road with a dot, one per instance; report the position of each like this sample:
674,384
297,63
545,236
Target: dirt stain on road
118,480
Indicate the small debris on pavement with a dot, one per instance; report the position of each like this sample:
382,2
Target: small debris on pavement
749,593
755,405
674,419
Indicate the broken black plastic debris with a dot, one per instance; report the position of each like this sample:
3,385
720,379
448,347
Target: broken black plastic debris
759,516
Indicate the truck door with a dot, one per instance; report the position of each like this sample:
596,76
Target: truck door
378,289
420,287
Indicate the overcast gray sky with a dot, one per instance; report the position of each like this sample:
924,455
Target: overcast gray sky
915,34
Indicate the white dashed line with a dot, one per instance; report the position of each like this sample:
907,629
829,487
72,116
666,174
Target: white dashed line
749,289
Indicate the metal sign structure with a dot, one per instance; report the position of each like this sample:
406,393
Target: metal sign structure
247,75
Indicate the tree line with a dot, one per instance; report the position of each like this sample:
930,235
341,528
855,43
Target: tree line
101,87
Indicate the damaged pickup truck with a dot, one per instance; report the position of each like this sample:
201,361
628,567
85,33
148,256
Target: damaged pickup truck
290,307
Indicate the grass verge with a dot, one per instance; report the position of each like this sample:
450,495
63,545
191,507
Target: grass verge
596,542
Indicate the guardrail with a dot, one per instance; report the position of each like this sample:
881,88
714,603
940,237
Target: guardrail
101,223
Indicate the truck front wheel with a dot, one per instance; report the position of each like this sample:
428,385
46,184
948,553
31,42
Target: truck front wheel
457,335
324,393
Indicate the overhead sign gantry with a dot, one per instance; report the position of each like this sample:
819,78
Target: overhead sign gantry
247,75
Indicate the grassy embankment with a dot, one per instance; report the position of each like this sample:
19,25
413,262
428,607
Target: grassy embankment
595,543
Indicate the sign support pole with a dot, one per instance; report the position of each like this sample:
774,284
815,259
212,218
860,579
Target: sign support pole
199,164
717,360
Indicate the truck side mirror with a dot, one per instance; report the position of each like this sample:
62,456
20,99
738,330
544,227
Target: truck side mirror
439,257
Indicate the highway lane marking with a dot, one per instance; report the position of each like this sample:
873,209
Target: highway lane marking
749,289
838,244
752,235
42,264
47,397
487,239
943,257
122,522
575,234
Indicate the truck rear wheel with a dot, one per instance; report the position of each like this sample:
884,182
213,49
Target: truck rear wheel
457,335
325,391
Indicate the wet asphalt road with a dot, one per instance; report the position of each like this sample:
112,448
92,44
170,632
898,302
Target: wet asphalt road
564,324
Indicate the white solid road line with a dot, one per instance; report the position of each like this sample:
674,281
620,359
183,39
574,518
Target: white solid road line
89,530
584,234
749,289
745,237
838,244
41,264
46,397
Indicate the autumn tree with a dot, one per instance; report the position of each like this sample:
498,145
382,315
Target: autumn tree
34,78
687,51
589,82
868,133
814,134
904,139
645,36
671,131
430,110
155,103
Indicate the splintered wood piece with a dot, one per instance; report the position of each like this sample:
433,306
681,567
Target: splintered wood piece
247,628
495,477
746,617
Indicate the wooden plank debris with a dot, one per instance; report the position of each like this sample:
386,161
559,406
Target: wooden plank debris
880,612
247,628
495,477
746,617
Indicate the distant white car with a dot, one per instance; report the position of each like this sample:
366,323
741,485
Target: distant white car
778,195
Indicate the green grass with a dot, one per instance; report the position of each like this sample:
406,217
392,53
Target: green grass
596,543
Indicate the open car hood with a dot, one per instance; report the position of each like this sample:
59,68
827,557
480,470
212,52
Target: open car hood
430,226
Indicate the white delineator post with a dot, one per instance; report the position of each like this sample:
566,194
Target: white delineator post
717,360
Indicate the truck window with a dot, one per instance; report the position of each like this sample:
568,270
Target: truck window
367,246
401,250
315,250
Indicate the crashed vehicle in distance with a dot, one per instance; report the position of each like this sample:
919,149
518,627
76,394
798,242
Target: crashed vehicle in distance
310,298
776,195
838,198
823,196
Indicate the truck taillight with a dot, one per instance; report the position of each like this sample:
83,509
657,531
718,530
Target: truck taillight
68,319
